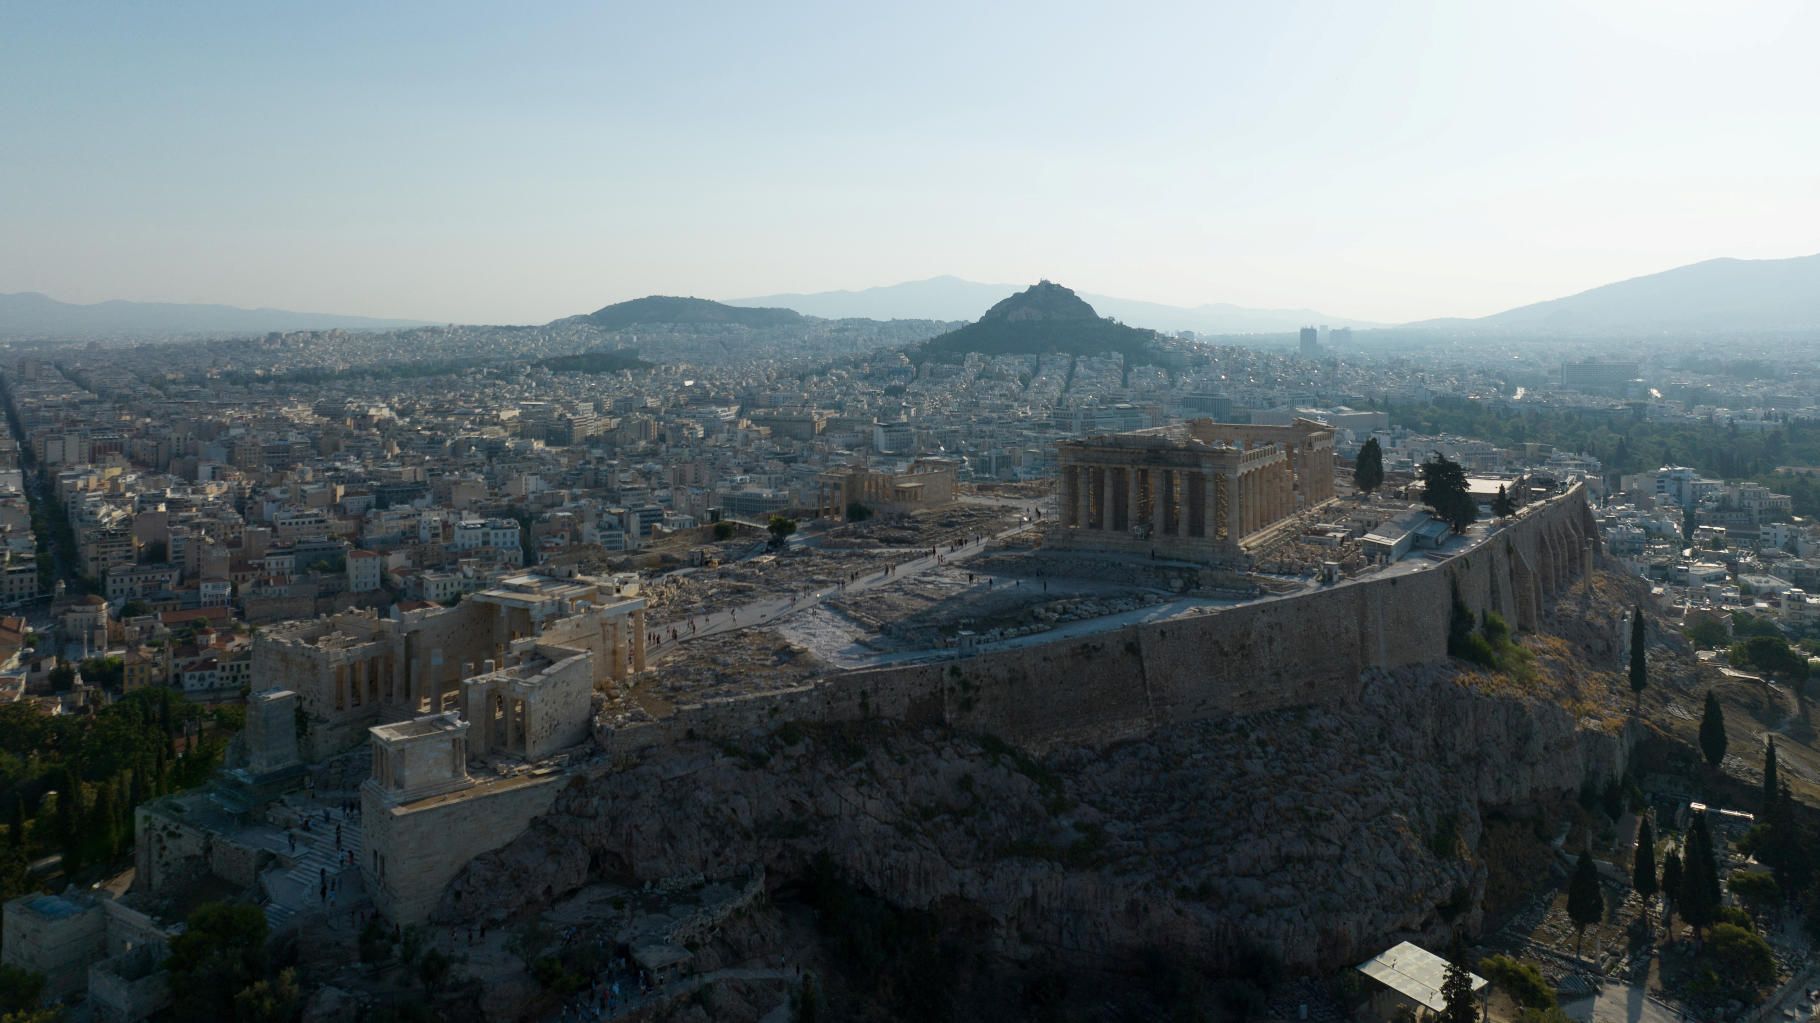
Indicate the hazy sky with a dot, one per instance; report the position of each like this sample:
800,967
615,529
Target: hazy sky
488,162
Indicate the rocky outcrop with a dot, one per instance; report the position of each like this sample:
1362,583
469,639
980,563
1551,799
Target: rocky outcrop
1319,834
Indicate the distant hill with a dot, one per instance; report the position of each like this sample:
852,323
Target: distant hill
30,314
951,298
655,309
1044,317
1715,295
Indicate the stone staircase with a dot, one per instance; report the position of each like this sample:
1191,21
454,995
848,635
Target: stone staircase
296,890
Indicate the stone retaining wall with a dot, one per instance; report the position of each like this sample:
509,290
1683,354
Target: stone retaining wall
1299,650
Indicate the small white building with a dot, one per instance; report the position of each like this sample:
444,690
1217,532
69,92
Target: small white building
365,569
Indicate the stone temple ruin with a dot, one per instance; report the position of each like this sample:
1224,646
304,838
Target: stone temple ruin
355,670
1196,491
467,711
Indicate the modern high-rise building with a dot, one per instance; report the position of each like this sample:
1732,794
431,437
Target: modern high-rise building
1311,341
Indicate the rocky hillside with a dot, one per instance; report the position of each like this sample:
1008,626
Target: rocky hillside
1310,837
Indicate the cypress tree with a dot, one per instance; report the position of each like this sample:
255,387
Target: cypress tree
100,834
1712,731
1784,847
1700,894
1502,506
1456,991
1639,664
1671,889
69,822
1368,468
1770,790
1643,869
1585,899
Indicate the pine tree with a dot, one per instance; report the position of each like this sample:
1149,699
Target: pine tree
1770,788
1639,663
1444,489
1368,468
1585,898
1712,731
1671,889
1643,869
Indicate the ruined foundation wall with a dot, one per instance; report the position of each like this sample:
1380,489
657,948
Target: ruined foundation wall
413,851
1299,650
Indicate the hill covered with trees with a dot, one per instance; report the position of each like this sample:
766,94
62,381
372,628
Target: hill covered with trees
656,309
1041,319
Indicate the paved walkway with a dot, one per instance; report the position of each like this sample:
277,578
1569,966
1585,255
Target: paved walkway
769,609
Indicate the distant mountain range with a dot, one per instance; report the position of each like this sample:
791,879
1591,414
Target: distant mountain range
1729,295
1724,295
1044,317
951,298
30,314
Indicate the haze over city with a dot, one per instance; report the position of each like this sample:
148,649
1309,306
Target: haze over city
709,513
466,163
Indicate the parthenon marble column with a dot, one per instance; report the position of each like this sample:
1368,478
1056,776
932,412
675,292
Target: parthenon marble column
1159,502
1131,498
1184,519
1210,526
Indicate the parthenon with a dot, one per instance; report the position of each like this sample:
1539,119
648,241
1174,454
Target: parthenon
1192,491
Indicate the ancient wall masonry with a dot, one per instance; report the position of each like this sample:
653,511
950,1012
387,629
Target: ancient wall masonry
413,850
354,670
1298,650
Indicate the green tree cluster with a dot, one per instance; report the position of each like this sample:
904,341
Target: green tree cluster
780,527
69,784
1639,444
1486,642
217,961
1522,981
1772,655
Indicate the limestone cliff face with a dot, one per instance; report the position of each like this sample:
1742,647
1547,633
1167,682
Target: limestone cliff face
1320,834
